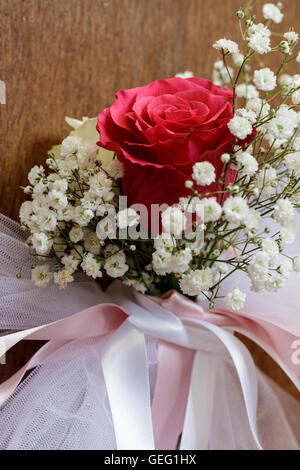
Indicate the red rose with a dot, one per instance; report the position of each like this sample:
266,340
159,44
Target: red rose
161,130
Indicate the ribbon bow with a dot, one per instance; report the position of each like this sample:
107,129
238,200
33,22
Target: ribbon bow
192,347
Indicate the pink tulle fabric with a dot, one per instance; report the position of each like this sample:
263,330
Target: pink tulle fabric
64,404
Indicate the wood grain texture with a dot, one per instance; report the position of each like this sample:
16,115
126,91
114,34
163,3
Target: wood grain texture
69,57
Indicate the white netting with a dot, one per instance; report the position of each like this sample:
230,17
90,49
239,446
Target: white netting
63,404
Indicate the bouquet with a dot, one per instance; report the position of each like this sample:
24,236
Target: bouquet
183,183
186,191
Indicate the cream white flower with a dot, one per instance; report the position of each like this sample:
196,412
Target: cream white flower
248,165
235,300
236,209
260,43
265,181
288,233
270,247
82,216
246,91
274,282
161,262
227,45
41,243
57,199
41,276
179,261
127,218
296,97
286,268
115,266
252,222
258,270
70,145
70,263
247,114
284,212
114,168
237,59
204,173
197,281
174,221
259,28
298,58
240,127
265,79
47,219
35,174
292,162
272,12
63,278
284,47
209,209
76,234
260,108
225,158
60,185
291,36
91,266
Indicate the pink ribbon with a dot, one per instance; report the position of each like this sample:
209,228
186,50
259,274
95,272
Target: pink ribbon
175,362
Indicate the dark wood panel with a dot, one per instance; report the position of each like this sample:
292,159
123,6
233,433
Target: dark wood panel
68,57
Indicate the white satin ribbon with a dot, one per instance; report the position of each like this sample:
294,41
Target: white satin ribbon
128,386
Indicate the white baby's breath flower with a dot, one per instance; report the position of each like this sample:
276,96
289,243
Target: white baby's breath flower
127,218
174,221
63,278
82,216
91,266
286,81
41,243
236,209
47,219
265,79
180,260
70,145
235,300
259,28
240,127
296,97
70,263
260,108
246,91
284,47
284,212
209,209
292,162
60,185
258,270
260,43
286,268
237,59
227,45
225,158
41,276
76,234
204,173
291,36
197,281
272,12
115,265
35,174
252,222
270,247
114,168
298,58
247,114
57,199
248,165
274,282
288,233
265,180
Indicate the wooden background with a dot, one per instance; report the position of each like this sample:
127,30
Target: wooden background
69,57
